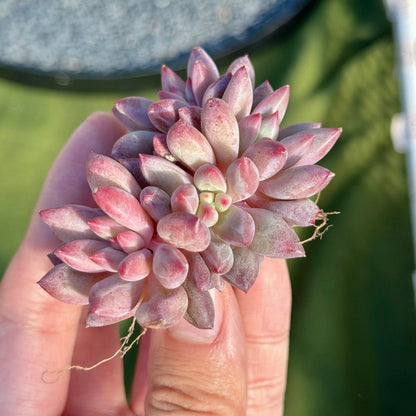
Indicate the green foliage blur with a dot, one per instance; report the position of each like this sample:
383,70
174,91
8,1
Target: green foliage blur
353,336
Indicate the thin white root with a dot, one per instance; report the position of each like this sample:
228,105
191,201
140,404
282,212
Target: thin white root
322,227
125,347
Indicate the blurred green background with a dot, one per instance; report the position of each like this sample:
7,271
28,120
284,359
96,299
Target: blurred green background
353,339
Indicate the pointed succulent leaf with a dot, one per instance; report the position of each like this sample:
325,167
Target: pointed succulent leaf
132,113
171,81
189,94
198,54
270,126
125,209
191,115
243,62
76,254
160,147
114,297
199,272
277,101
136,266
201,310
105,227
70,222
164,113
94,320
132,164
163,174
218,281
169,266
297,128
209,178
321,145
217,88
130,241
105,171
220,127
249,129
162,308
296,145
242,178
185,199
208,213
201,78
108,258
133,143
239,93
218,255
245,268
268,156
184,230
155,201
168,95
235,227
68,285
297,182
189,146
273,236
261,92
297,212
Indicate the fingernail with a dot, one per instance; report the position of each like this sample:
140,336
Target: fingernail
186,332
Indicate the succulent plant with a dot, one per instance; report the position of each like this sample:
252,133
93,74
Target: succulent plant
202,187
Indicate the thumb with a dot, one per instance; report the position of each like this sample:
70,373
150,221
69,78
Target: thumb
199,371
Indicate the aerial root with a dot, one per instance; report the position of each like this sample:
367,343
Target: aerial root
322,227
51,377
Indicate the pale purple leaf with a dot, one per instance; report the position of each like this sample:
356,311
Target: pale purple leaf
68,285
235,227
242,177
105,227
296,145
296,128
297,182
130,241
277,101
155,201
273,236
133,143
125,209
218,256
162,308
245,269
201,310
268,156
243,61
132,113
220,127
70,222
163,174
169,266
209,178
164,113
108,258
201,78
217,88
239,93
171,81
189,145
199,272
185,199
114,297
249,128
136,266
191,115
198,54
184,230
105,171
261,92
76,254
270,126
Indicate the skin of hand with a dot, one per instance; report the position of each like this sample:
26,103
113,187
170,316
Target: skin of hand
237,368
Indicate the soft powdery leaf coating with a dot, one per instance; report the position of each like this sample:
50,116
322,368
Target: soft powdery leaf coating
184,230
70,222
204,185
68,285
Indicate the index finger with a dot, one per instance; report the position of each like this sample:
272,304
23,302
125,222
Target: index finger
38,332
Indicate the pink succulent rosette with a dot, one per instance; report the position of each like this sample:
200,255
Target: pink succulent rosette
202,187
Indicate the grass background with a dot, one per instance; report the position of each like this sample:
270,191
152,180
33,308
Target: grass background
353,338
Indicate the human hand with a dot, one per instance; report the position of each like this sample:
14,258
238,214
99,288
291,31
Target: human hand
237,368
